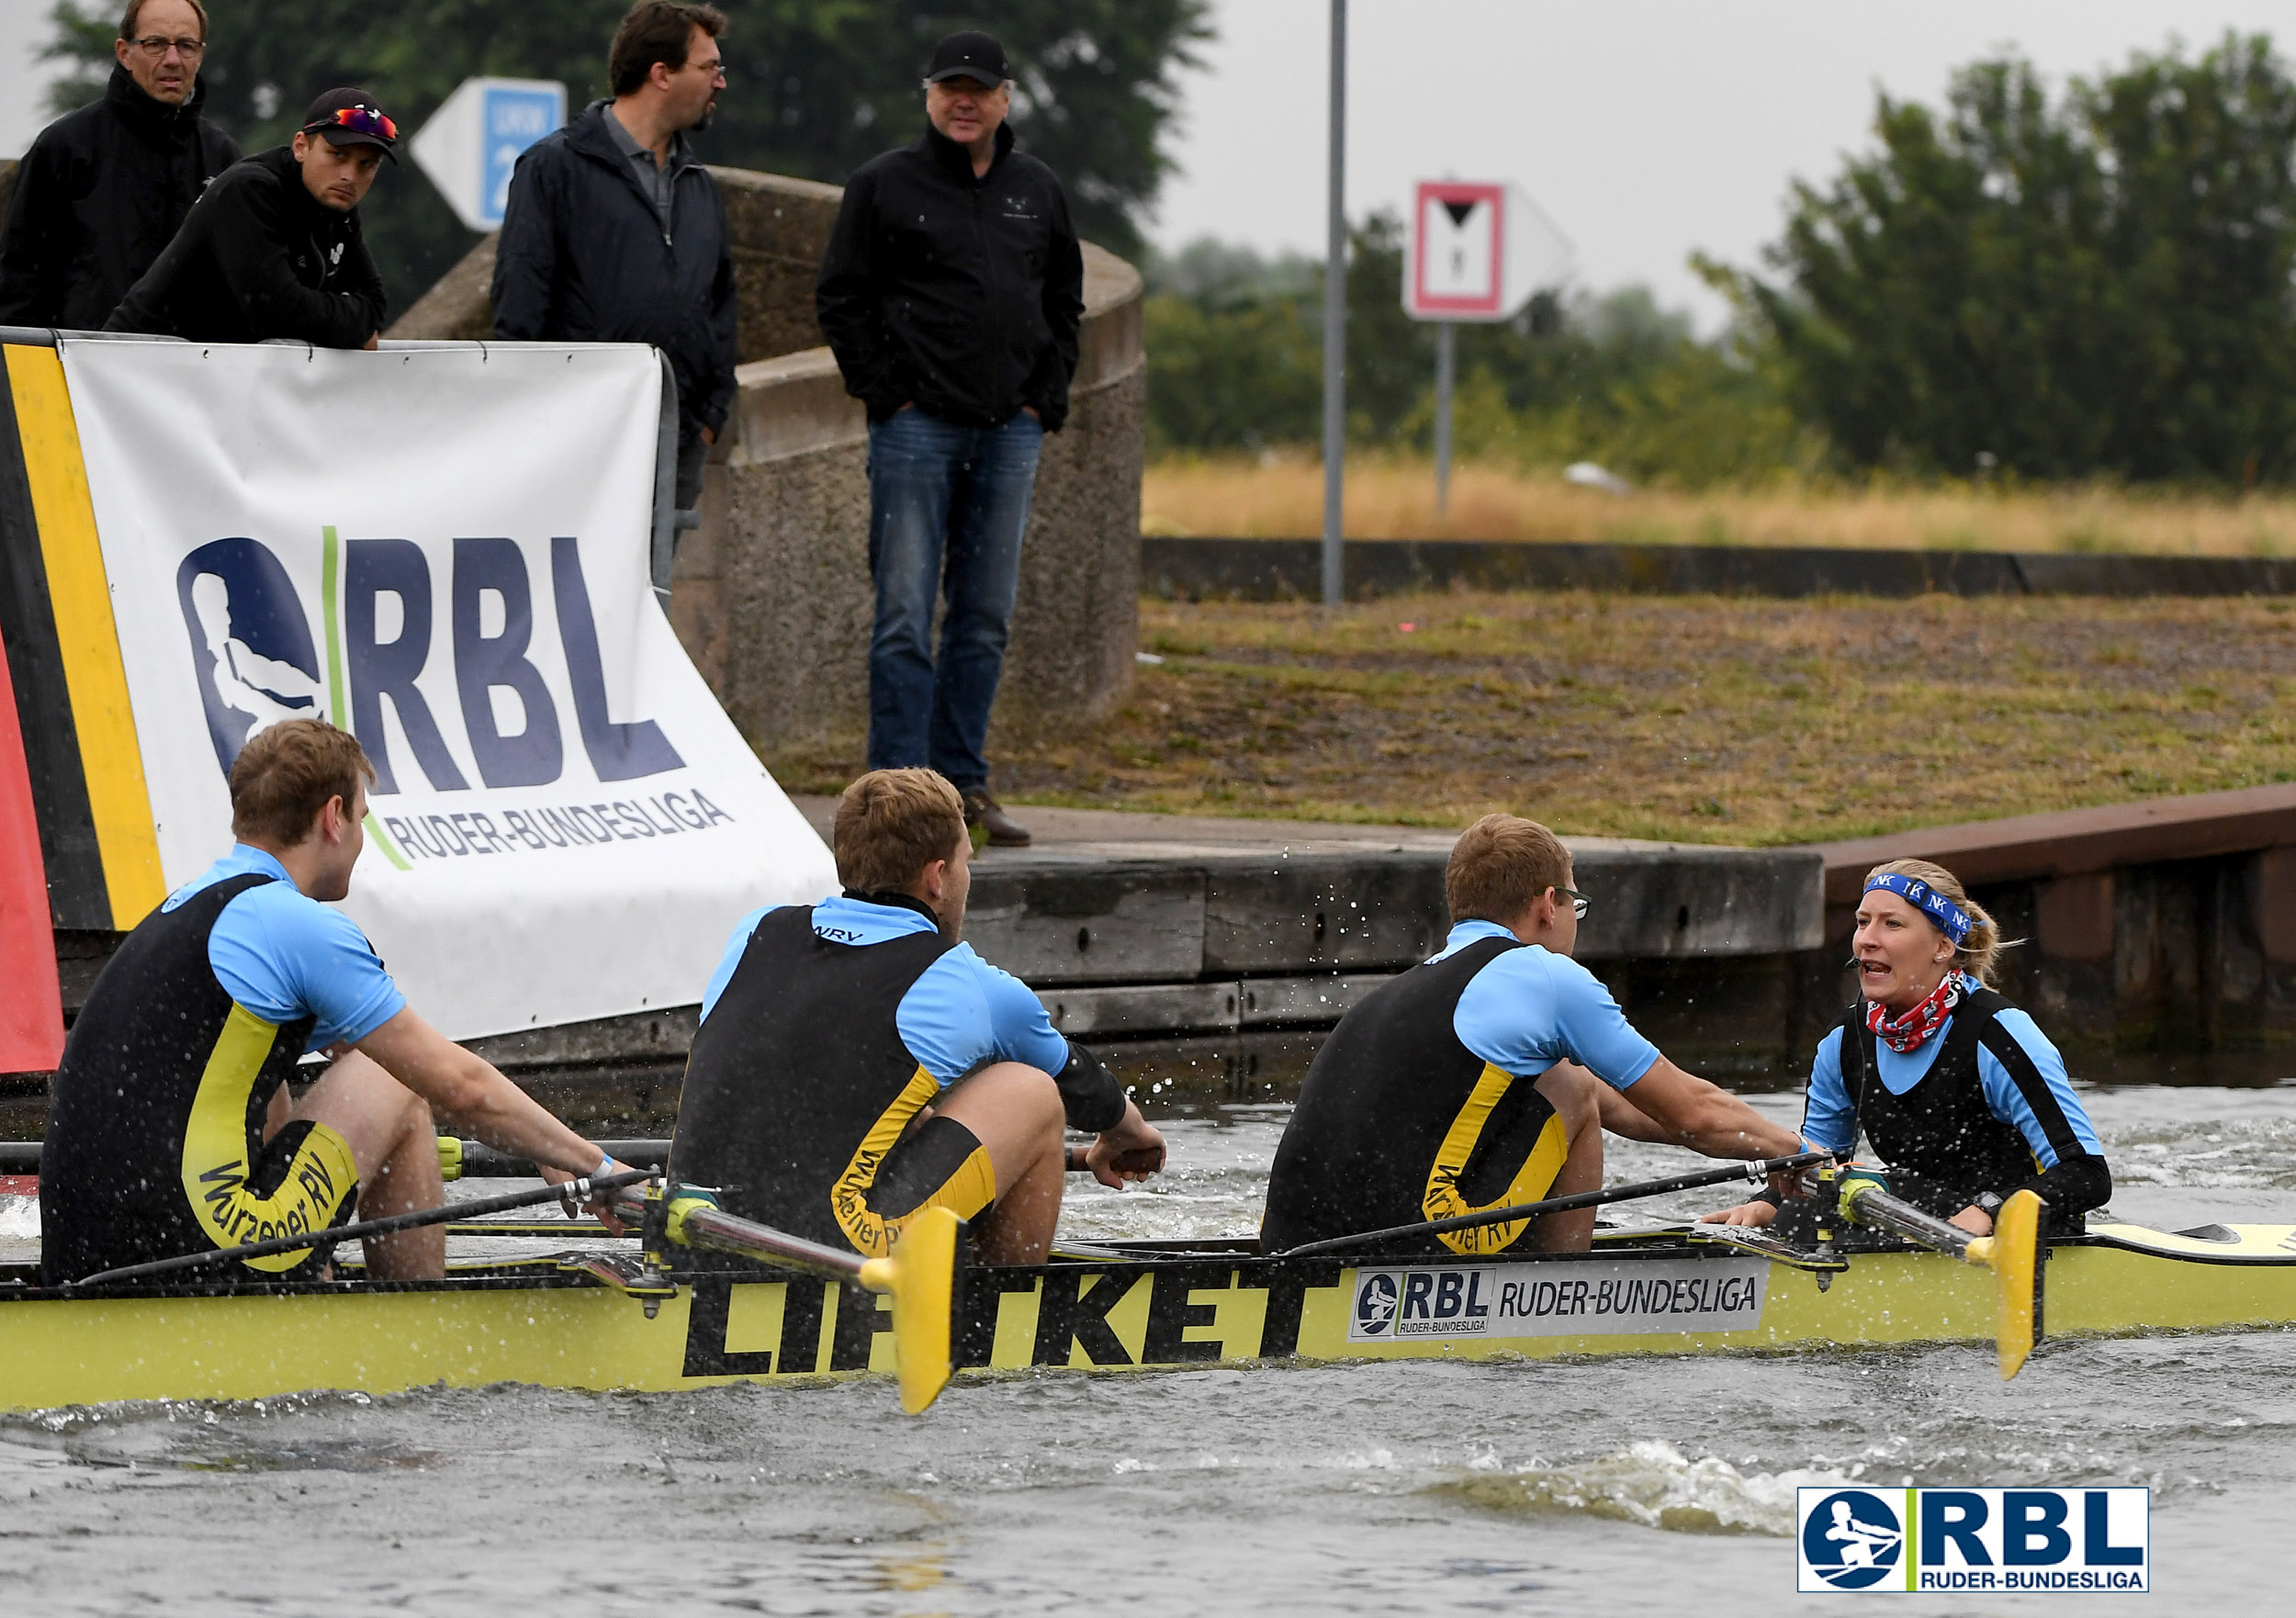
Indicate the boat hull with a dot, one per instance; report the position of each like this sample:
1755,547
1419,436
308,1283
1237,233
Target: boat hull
538,1325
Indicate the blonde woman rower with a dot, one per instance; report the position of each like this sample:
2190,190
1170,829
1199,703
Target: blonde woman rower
1956,1089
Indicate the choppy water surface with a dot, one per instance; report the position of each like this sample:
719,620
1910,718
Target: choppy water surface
1664,1484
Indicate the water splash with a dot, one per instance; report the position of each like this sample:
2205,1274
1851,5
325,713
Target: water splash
1653,1483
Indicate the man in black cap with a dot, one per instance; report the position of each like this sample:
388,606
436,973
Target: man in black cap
951,295
273,249
103,189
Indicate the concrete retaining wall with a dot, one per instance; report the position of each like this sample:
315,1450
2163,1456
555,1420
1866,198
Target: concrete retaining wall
1291,570
771,596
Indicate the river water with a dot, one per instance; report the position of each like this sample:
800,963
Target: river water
1619,1486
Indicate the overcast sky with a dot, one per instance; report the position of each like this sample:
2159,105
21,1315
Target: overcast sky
1646,128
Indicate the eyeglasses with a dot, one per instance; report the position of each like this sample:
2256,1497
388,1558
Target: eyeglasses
1580,903
366,121
157,46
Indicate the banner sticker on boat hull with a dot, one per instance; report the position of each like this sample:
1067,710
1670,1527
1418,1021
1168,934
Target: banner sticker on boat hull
1589,1299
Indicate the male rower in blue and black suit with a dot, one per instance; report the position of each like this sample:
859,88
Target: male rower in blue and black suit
171,1128
856,1063
1484,1077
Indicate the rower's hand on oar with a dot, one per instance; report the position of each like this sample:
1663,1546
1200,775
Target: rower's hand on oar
1974,1220
1745,1213
1131,1151
597,1207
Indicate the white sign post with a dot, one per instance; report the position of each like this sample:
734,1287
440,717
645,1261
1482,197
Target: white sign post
1476,252
476,138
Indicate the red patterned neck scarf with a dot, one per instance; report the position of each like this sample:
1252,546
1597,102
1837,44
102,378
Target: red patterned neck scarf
1906,1033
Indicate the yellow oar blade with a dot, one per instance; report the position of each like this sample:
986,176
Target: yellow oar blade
2016,1256
923,1275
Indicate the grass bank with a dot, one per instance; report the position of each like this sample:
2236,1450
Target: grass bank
1696,719
1282,498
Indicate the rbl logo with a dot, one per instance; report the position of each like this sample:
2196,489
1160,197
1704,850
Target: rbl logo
1976,1539
258,663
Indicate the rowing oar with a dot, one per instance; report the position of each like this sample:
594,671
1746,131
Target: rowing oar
457,1160
2012,1252
1757,1171
579,1190
923,1274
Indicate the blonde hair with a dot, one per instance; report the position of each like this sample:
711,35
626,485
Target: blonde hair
1980,952
1499,868
892,823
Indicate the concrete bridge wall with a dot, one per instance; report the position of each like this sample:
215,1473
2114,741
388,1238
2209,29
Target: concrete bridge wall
771,595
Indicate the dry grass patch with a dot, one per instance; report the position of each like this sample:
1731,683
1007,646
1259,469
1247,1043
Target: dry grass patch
1395,499
1696,719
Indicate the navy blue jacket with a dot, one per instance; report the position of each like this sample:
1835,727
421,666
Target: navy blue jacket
583,258
961,294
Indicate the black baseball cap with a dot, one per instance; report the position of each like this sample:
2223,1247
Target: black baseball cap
351,118
969,55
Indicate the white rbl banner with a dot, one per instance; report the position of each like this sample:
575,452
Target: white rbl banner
443,549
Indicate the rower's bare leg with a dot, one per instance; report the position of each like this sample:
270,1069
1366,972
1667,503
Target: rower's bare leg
1573,1092
395,1143
1015,1111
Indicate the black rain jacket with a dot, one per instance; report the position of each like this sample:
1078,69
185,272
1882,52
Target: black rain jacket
963,295
101,192
260,257
582,258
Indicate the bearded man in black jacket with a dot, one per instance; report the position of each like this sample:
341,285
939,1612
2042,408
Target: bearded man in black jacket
274,247
104,189
951,295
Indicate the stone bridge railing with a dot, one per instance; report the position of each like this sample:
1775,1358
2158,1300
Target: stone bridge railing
771,595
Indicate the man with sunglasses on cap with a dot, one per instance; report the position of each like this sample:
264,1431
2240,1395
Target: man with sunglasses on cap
1484,1077
273,249
103,189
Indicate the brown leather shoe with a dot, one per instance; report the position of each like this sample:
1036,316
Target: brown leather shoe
1004,831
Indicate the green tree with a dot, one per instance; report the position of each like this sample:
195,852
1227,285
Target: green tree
2099,284
814,87
1235,361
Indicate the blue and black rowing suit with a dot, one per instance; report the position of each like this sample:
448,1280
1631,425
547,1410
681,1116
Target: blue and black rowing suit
155,1128
1983,1106
826,1029
1422,1102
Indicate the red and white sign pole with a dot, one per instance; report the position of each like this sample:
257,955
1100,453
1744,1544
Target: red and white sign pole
1476,252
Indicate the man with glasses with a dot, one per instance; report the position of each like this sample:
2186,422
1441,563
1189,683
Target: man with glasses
1484,1077
104,189
615,232
274,249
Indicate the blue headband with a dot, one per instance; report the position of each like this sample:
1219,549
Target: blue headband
1951,919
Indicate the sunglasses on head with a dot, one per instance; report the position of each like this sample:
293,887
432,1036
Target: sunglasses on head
364,120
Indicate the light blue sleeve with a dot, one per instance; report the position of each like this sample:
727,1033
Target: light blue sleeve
2011,1105
1593,1029
736,946
283,956
1827,1120
964,1012
1527,1010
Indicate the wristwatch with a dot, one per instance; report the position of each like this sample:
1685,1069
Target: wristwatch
1987,1200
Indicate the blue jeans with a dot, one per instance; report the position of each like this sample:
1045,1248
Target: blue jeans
947,507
